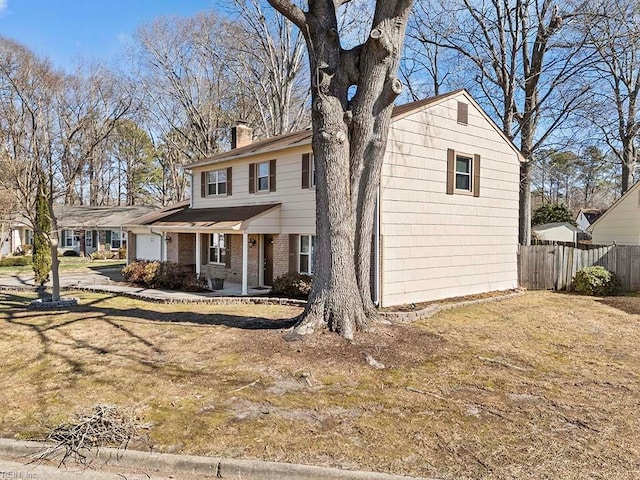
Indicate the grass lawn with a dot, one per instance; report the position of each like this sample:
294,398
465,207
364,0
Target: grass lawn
541,386
67,265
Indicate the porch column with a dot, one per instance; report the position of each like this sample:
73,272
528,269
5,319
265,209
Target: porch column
245,262
198,254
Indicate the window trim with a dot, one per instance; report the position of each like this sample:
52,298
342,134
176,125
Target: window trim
310,254
218,249
71,235
451,171
470,173
267,176
217,183
121,237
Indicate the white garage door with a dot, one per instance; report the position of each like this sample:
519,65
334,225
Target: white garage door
148,247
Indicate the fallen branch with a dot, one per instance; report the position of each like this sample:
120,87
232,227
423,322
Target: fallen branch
415,390
245,386
504,363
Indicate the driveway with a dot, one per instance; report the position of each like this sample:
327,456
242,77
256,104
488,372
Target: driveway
103,276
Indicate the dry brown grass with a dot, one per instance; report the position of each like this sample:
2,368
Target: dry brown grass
541,386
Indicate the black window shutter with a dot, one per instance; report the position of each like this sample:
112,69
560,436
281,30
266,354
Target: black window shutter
451,170
305,170
476,175
229,183
272,176
108,239
252,178
293,253
203,184
227,253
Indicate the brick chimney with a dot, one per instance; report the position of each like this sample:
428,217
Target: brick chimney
241,135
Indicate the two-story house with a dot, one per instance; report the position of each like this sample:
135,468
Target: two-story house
446,223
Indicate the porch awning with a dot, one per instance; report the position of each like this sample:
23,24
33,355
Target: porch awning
223,218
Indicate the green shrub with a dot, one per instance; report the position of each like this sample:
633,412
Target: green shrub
293,285
70,253
596,281
15,261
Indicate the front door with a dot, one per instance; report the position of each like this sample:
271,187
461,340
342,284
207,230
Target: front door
268,259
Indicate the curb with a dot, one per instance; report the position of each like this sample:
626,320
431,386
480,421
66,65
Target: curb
208,466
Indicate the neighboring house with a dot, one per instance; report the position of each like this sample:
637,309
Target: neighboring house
84,229
620,224
587,216
89,229
17,235
446,226
556,232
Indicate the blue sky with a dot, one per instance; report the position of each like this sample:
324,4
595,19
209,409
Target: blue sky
62,30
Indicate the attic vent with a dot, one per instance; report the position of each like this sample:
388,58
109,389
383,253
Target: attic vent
463,113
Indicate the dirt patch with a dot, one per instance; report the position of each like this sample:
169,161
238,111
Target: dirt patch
468,298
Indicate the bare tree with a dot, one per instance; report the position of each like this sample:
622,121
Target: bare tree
268,59
346,131
614,37
525,65
187,89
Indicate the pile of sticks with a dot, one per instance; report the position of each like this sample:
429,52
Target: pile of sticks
81,439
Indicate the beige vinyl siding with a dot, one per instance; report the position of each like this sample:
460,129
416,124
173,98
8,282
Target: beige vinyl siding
621,223
437,245
297,212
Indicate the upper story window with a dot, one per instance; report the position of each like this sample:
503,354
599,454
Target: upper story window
262,177
262,174
308,171
217,182
463,173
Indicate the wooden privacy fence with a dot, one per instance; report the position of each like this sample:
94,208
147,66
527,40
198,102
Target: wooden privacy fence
552,267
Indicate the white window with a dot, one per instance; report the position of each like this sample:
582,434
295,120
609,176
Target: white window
71,239
118,239
262,174
88,238
217,248
307,253
463,173
217,182
29,237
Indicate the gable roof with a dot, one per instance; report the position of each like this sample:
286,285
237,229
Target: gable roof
548,226
82,216
591,214
628,193
303,137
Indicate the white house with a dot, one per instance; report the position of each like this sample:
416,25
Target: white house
620,224
556,232
446,226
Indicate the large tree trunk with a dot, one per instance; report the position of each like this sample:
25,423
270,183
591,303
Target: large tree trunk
349,141
628,166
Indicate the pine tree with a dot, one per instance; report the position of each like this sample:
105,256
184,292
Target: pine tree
41,247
